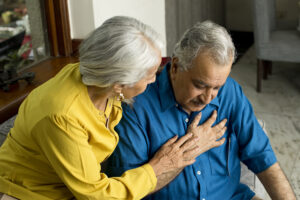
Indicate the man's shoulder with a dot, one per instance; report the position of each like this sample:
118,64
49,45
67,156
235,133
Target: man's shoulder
149,97
143,103
230,94
231,88
230,82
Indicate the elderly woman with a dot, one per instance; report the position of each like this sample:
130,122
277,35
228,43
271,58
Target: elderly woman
65,128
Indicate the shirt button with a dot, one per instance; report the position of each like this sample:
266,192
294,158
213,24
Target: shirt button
186,120
199,172
203,199
176,104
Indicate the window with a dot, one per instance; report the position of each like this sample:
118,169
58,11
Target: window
23,39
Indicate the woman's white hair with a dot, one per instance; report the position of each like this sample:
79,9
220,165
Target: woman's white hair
121,50
205,37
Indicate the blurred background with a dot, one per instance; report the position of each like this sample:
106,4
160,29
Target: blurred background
41,36
22,35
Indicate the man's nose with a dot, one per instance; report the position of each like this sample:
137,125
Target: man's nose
207,96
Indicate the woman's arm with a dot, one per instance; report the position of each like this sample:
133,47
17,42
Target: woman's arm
63,142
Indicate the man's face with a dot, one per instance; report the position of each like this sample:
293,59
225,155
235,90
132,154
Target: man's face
198,86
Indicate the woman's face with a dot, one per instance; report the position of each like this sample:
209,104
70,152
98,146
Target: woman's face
139,87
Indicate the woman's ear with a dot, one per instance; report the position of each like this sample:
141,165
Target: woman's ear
117,88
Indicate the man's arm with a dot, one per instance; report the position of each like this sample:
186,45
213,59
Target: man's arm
276,183
255,148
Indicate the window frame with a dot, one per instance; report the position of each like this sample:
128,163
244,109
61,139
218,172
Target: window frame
58,25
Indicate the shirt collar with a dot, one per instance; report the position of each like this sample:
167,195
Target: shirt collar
166,95
215,101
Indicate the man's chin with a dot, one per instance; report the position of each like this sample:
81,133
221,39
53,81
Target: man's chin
193,108
197,108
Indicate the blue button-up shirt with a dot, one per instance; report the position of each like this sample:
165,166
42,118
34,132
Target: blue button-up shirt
156,117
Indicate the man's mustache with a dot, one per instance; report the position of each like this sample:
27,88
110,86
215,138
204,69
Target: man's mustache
197,101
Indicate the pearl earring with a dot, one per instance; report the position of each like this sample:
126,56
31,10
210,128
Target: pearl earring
120,97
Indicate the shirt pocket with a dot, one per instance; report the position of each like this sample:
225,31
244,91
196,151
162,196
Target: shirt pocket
224,159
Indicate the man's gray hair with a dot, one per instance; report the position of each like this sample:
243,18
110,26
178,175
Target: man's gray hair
121,50
205,37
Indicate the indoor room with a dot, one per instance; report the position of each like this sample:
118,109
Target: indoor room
38,38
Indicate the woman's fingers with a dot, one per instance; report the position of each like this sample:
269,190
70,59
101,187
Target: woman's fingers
171,141
183,139
190,143
181,152
192,153
188,162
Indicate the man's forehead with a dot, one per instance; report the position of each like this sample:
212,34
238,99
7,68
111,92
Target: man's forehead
209,83
210,75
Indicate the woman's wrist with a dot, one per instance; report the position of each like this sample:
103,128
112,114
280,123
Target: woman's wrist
156,168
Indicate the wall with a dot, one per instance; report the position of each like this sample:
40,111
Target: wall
86,15
81,18
169,17
287,9
183,14
239,13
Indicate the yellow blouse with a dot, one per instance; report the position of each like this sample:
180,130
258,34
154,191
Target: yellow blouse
58,141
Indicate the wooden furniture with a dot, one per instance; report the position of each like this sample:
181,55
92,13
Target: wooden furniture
10,101
274,40
61,50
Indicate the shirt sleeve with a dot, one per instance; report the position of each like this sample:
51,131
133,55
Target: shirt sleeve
254,146
65,145
133,147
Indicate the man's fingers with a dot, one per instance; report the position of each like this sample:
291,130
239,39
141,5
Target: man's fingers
219,142
196,120
211,119
221,132
220,126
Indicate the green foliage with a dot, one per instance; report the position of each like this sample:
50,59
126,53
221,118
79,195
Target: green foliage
14,60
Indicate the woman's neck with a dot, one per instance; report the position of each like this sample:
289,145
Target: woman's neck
99,96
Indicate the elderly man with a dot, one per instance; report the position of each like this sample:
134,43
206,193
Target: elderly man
197,81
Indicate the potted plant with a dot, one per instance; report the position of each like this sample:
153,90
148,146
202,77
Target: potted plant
9,66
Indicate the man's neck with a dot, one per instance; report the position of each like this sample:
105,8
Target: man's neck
171,83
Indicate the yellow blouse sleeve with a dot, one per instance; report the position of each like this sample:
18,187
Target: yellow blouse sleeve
65,145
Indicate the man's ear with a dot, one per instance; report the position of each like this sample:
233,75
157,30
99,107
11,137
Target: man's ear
174,67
